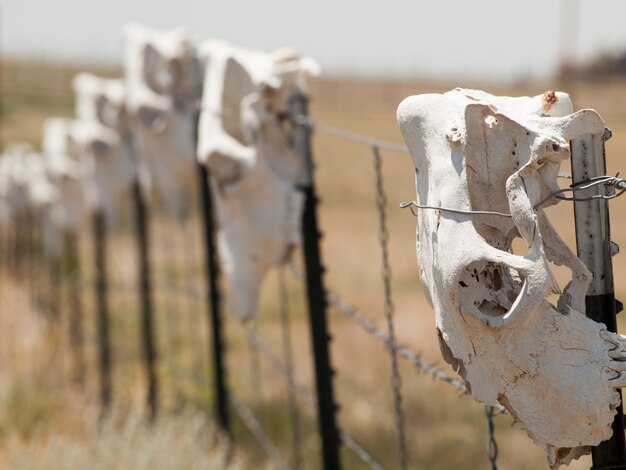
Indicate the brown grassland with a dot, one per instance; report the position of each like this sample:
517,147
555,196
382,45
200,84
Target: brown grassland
47,421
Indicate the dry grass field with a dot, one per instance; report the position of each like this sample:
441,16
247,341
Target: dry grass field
47,422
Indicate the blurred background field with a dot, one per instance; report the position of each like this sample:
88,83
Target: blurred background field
47,421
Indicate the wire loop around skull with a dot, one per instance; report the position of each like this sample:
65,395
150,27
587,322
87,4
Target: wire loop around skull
613,182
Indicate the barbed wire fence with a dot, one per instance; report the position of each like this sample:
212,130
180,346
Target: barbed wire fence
195,286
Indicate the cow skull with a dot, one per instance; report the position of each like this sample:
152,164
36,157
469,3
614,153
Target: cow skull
162,74
65,173
100,140
552,367
106,166
245,141
27,189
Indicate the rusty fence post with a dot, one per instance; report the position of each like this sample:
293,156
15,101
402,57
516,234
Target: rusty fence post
593,245
316,292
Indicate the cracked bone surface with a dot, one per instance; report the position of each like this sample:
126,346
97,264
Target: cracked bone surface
244,140
553,368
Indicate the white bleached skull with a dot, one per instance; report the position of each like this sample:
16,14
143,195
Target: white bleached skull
107,168
245,141
163,79
29,191
65,173
14,188
552,367
101,100
100,140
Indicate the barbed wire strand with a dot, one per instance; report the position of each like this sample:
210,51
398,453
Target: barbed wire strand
359,451
190,307
492,445
349,135
254,372
345,437
343,308
279,367
389,309
377,333
307,396
248,418
292,406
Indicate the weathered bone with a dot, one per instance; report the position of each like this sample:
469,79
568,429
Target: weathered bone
14,180
65,173
163,79
99,139
26,187
552,367
244,139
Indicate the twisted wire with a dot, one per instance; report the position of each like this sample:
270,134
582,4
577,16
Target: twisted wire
380,335
294,416
492,445
402,351
348,135
383,237
359,451
254,370
256,430
279,367
610,182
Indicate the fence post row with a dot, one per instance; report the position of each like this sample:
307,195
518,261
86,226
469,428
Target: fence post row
214,298
593,236
145,292
316,293
99,229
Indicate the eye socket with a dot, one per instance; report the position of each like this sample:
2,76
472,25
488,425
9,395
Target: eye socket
109,113
100,148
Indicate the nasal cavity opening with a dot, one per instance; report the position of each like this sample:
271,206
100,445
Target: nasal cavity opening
491,288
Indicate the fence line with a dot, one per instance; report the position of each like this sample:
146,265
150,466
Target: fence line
319,299
256,430
106,286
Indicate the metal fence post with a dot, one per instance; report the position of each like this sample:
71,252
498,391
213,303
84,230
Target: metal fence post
99,229
593,237
316,293
214,300
145,293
